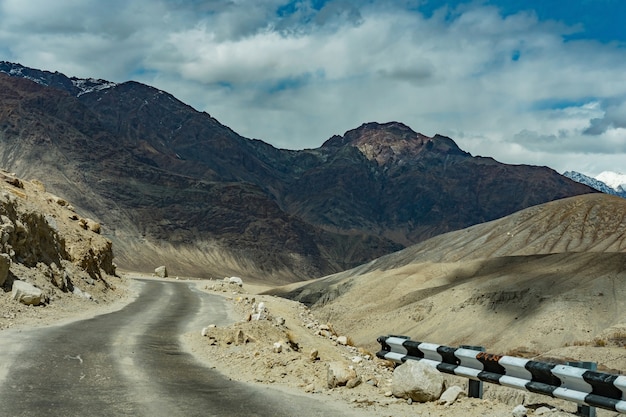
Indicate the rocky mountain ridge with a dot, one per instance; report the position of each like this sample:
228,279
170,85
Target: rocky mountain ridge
175,186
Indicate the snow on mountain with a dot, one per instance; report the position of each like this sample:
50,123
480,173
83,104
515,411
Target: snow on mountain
598,184
615,180
75,86
89,85
590,181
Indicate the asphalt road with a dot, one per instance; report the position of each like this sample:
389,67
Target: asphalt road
130,363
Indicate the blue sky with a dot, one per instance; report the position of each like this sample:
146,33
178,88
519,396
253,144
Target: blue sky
526,82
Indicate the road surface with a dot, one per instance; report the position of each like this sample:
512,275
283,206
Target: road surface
130,363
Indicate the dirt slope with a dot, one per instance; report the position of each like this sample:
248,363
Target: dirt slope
546,278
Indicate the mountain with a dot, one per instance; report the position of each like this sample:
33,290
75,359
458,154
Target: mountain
615,180
601,182
172,185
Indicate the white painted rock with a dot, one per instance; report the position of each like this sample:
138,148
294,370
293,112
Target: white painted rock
417,381
27,294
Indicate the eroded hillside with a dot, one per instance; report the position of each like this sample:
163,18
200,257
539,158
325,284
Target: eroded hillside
547,280
45,244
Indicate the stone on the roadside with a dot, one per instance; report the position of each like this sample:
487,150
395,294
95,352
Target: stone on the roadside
339,373
353,382
520,411
324,333
278,347
236,281
418,381
314,355
240,337
83,294
161,271
450,395
27,294
342,340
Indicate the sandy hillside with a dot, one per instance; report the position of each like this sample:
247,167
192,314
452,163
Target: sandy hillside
549,280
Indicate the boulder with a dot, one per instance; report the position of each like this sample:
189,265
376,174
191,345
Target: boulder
27,294
451,395
235,280
417,381
83,294
339,373
161,272
520,411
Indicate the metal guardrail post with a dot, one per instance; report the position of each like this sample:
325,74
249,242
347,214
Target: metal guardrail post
585,410
475,388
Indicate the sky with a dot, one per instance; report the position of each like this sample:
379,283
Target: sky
539,82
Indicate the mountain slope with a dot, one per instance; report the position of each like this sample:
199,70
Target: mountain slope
539,279
172,185
598,184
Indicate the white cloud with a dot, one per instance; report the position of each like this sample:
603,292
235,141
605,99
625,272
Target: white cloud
508,87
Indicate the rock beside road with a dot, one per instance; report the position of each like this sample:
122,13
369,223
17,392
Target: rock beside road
417,381
27,294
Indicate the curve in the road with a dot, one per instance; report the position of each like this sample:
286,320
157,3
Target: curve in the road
130,363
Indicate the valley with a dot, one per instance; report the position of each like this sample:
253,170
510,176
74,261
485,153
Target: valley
381,230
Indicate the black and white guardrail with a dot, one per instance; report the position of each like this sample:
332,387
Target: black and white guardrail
570,383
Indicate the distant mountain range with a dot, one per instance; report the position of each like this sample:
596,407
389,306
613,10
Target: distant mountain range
173,186
607,182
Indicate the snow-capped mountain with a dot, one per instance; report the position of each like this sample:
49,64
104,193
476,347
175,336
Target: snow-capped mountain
607,182
75,86
615,180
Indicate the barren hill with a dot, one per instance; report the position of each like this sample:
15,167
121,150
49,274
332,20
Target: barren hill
546,280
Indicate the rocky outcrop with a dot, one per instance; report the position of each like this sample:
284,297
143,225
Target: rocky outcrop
45,247
5,263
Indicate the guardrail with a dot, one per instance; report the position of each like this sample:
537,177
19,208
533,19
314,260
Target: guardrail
583,386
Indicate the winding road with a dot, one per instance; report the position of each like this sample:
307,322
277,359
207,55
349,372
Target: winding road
131,363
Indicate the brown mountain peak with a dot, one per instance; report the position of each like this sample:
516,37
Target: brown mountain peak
393,142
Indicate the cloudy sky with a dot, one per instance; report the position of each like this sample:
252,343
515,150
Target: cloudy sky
539,82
